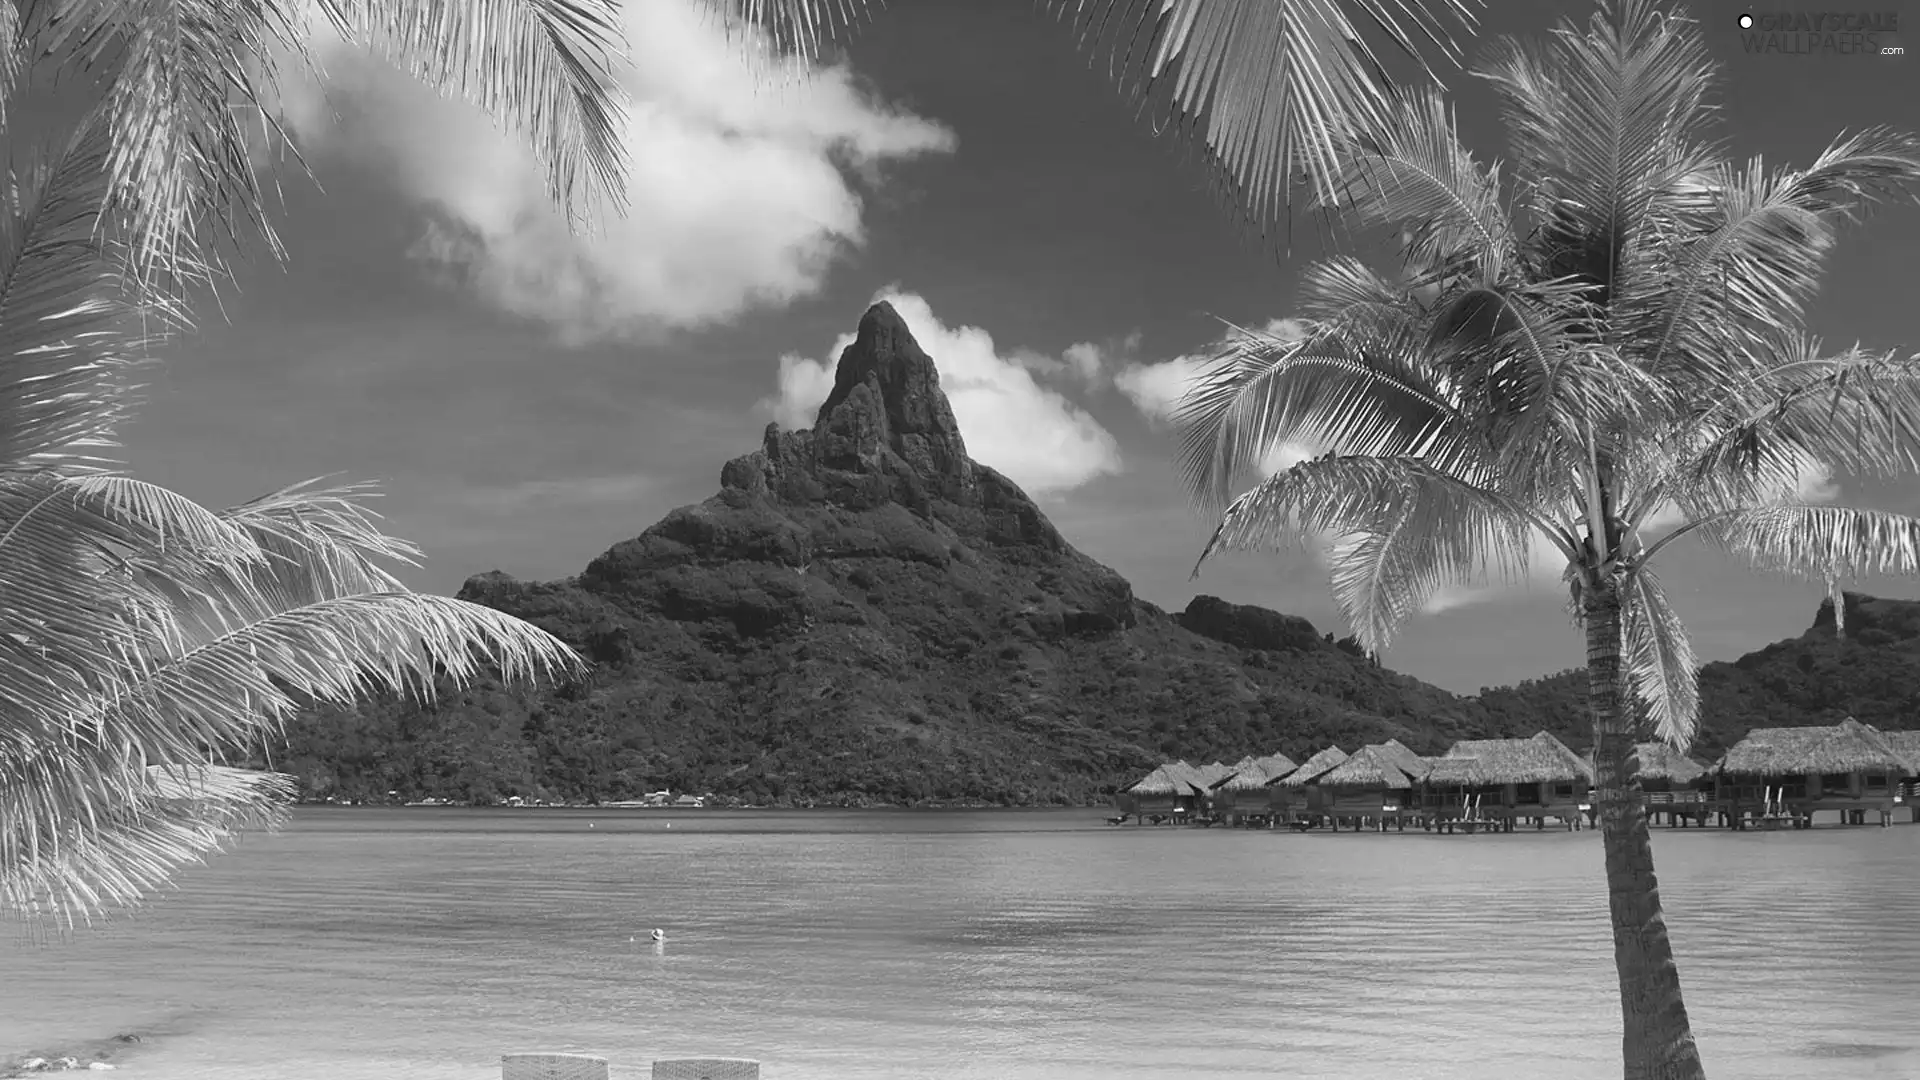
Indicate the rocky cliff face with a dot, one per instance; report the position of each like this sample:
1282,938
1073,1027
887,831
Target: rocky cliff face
864,613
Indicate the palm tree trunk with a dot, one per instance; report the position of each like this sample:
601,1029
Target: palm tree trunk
1658,1041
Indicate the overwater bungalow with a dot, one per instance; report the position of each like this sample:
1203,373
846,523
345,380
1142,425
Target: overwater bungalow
1175,791
1503,781
1446,793
1290,795
1907,745
1673,785
1242,798
1786,775
1370,787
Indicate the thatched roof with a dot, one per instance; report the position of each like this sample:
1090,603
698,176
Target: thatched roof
1214,773
1658,761
1277,765
1408,762
1311,768
1849,746
1453,772
1254,773
1174,778
1907,745
1369,767
1541,759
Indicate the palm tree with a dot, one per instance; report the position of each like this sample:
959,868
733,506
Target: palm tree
146,640
1600,351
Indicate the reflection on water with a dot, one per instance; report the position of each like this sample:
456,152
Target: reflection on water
1010,946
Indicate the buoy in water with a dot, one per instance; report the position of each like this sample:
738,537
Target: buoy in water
659,935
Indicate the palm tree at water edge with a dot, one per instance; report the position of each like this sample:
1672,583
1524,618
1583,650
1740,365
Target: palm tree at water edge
1597,346
145,640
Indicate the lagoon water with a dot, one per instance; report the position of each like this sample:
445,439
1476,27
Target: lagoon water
375,944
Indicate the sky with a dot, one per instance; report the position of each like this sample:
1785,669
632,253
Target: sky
526,399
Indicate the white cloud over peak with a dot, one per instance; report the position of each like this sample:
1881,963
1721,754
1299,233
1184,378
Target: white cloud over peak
1010,419
736,192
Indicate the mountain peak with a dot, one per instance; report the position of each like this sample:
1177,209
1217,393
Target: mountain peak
886,433
887,397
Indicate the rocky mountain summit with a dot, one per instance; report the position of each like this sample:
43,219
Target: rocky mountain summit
864,614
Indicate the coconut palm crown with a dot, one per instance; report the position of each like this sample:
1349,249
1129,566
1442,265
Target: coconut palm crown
1599,347
147,642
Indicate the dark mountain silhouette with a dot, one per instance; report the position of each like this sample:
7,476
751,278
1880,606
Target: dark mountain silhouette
865,614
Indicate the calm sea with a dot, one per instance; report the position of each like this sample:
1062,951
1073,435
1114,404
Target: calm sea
372,945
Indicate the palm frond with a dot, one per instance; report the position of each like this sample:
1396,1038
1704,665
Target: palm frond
1818,542
1658,660
542,68
1348,299
804,28
65,378
1260,391
1269,88
227,690
165,517
74,615
61,866
1412,171
178,75
327,531
1758,258
1854,412
1406,530
10,56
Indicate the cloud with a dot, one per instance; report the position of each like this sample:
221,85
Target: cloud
1086,361
738,188
1010,420
1815,483
1157,389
